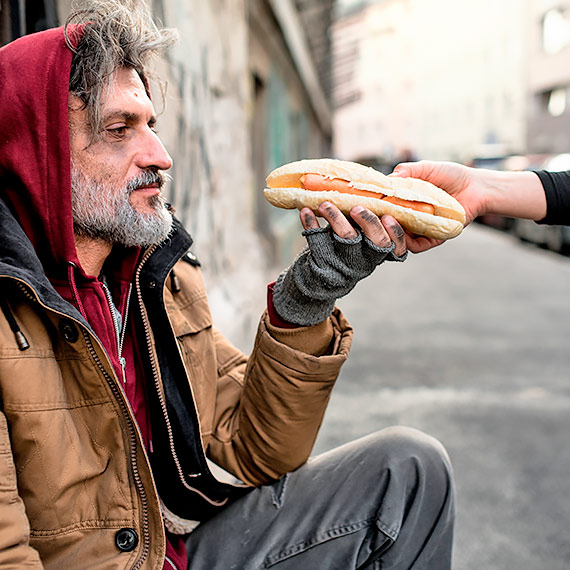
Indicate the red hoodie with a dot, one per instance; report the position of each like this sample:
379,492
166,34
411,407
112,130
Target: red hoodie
35,181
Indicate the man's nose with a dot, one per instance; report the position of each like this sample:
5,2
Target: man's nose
152,153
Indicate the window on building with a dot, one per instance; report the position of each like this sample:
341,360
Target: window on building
555,30
557,102
21,17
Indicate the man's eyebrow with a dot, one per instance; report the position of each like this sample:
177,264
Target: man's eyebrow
126,116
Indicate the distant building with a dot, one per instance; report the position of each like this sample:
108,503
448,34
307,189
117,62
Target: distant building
549,77
437,79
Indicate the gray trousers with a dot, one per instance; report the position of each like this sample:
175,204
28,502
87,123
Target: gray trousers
384,502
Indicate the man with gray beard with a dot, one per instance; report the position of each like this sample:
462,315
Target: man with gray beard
103,212
132,433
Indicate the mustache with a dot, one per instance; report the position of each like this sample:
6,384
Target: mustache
146,178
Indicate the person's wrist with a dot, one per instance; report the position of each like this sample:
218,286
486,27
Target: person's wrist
516,195
488,191
297,307
274,317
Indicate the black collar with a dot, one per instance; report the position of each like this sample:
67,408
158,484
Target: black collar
18,260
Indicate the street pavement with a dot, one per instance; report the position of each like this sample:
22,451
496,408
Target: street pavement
470,342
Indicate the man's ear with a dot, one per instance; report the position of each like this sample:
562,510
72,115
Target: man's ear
75,103
78,121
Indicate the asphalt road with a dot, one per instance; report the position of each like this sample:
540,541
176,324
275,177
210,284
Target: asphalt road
470,342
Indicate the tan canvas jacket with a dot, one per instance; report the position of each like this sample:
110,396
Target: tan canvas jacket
73,471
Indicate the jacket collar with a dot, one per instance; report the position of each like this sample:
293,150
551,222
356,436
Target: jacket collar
167,254
18,260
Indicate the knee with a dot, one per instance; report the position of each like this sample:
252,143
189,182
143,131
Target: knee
405,447
417,503
404,440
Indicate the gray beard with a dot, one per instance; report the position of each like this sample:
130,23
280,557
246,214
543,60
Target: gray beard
105,213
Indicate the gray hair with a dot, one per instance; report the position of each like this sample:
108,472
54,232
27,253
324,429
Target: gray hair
115,33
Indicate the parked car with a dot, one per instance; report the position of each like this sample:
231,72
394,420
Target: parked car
555,238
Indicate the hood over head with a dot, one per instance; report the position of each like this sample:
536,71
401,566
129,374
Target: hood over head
35,169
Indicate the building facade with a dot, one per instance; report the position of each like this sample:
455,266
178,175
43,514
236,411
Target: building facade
549,77
439,79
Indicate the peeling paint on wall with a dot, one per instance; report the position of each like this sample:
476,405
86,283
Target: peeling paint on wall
206,129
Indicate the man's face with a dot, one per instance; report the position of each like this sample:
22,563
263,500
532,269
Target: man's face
116,176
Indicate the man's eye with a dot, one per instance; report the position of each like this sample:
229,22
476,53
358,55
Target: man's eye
117,131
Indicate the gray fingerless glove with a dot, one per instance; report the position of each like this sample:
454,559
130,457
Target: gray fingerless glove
326,270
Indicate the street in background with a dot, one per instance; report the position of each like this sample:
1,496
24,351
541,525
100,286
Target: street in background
469,343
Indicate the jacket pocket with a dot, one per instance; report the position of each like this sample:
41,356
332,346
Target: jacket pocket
7,469
192,326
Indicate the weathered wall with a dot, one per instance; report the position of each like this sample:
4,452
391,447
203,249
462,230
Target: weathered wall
205,126
236,108
284,125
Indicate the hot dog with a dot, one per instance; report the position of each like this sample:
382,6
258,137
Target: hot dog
420,207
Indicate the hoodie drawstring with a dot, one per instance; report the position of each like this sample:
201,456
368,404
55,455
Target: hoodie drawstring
175,282
74,290
21,340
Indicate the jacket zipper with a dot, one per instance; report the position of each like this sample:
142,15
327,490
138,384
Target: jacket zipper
166,559
133,450
119,396
156,378
119,331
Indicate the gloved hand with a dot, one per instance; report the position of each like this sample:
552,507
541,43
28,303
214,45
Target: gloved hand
326,270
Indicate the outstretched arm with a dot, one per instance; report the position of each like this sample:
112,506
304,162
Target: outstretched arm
480,191
336,259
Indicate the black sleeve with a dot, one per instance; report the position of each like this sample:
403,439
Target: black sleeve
557,190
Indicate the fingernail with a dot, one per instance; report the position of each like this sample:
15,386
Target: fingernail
357,210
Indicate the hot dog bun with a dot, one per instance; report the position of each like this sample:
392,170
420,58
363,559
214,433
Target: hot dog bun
442,217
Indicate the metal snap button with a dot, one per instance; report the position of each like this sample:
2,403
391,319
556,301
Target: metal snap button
69,331
126,539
